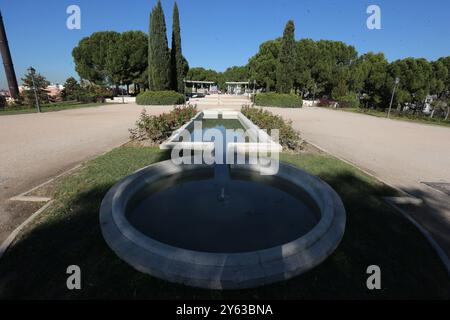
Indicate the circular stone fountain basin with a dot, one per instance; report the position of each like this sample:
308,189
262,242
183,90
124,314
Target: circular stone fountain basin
180,224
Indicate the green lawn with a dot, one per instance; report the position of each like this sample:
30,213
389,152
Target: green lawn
69,233
394,115
58,106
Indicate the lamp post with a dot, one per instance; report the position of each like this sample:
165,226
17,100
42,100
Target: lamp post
314,94
184,90
121,89
397,81
32,72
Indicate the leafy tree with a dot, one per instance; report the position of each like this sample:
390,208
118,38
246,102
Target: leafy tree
158,54
306,53
446,62
374,67
72,89
179,64
263,66
127,60
91,56
286,60
41,85
438,84
202,74
333,64
341,90
415,77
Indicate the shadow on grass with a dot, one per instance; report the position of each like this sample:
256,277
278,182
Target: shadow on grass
375,234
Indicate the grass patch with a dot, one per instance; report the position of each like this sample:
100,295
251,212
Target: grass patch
59,106
69,233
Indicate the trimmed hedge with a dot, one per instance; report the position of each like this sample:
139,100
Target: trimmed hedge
278,100
158,98
91,98
289,137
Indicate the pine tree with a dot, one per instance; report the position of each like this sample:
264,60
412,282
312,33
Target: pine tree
177,60
158,54
285,68
41,89
72,89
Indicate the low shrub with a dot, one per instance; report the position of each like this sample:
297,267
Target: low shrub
348,101
149,98
272,99
157,129
91,98
327,103
2,102
289,138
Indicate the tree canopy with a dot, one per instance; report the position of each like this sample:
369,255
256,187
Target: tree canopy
40,84
111,58
179,64
286,60
334,69
159,67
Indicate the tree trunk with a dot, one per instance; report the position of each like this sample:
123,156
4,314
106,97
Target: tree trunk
448,113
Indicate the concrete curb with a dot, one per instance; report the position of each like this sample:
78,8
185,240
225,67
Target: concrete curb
7,243
440,252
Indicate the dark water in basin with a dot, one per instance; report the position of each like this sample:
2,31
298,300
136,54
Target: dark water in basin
258,212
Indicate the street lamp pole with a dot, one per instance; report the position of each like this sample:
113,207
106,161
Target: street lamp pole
32,72
121,89
397,81
184,90
314,94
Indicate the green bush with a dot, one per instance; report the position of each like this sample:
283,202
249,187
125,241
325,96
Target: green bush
348,101
149,98
159,128
91,98
2,102
278,100
289,138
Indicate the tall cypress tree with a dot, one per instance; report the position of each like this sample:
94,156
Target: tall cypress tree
158,51
178,62
286,60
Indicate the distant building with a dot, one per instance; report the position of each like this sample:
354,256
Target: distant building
428,104
54,90
7,95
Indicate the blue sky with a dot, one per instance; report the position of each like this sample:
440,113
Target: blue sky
217,34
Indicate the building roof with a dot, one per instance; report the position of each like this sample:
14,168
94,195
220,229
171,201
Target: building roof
201,82
234,82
